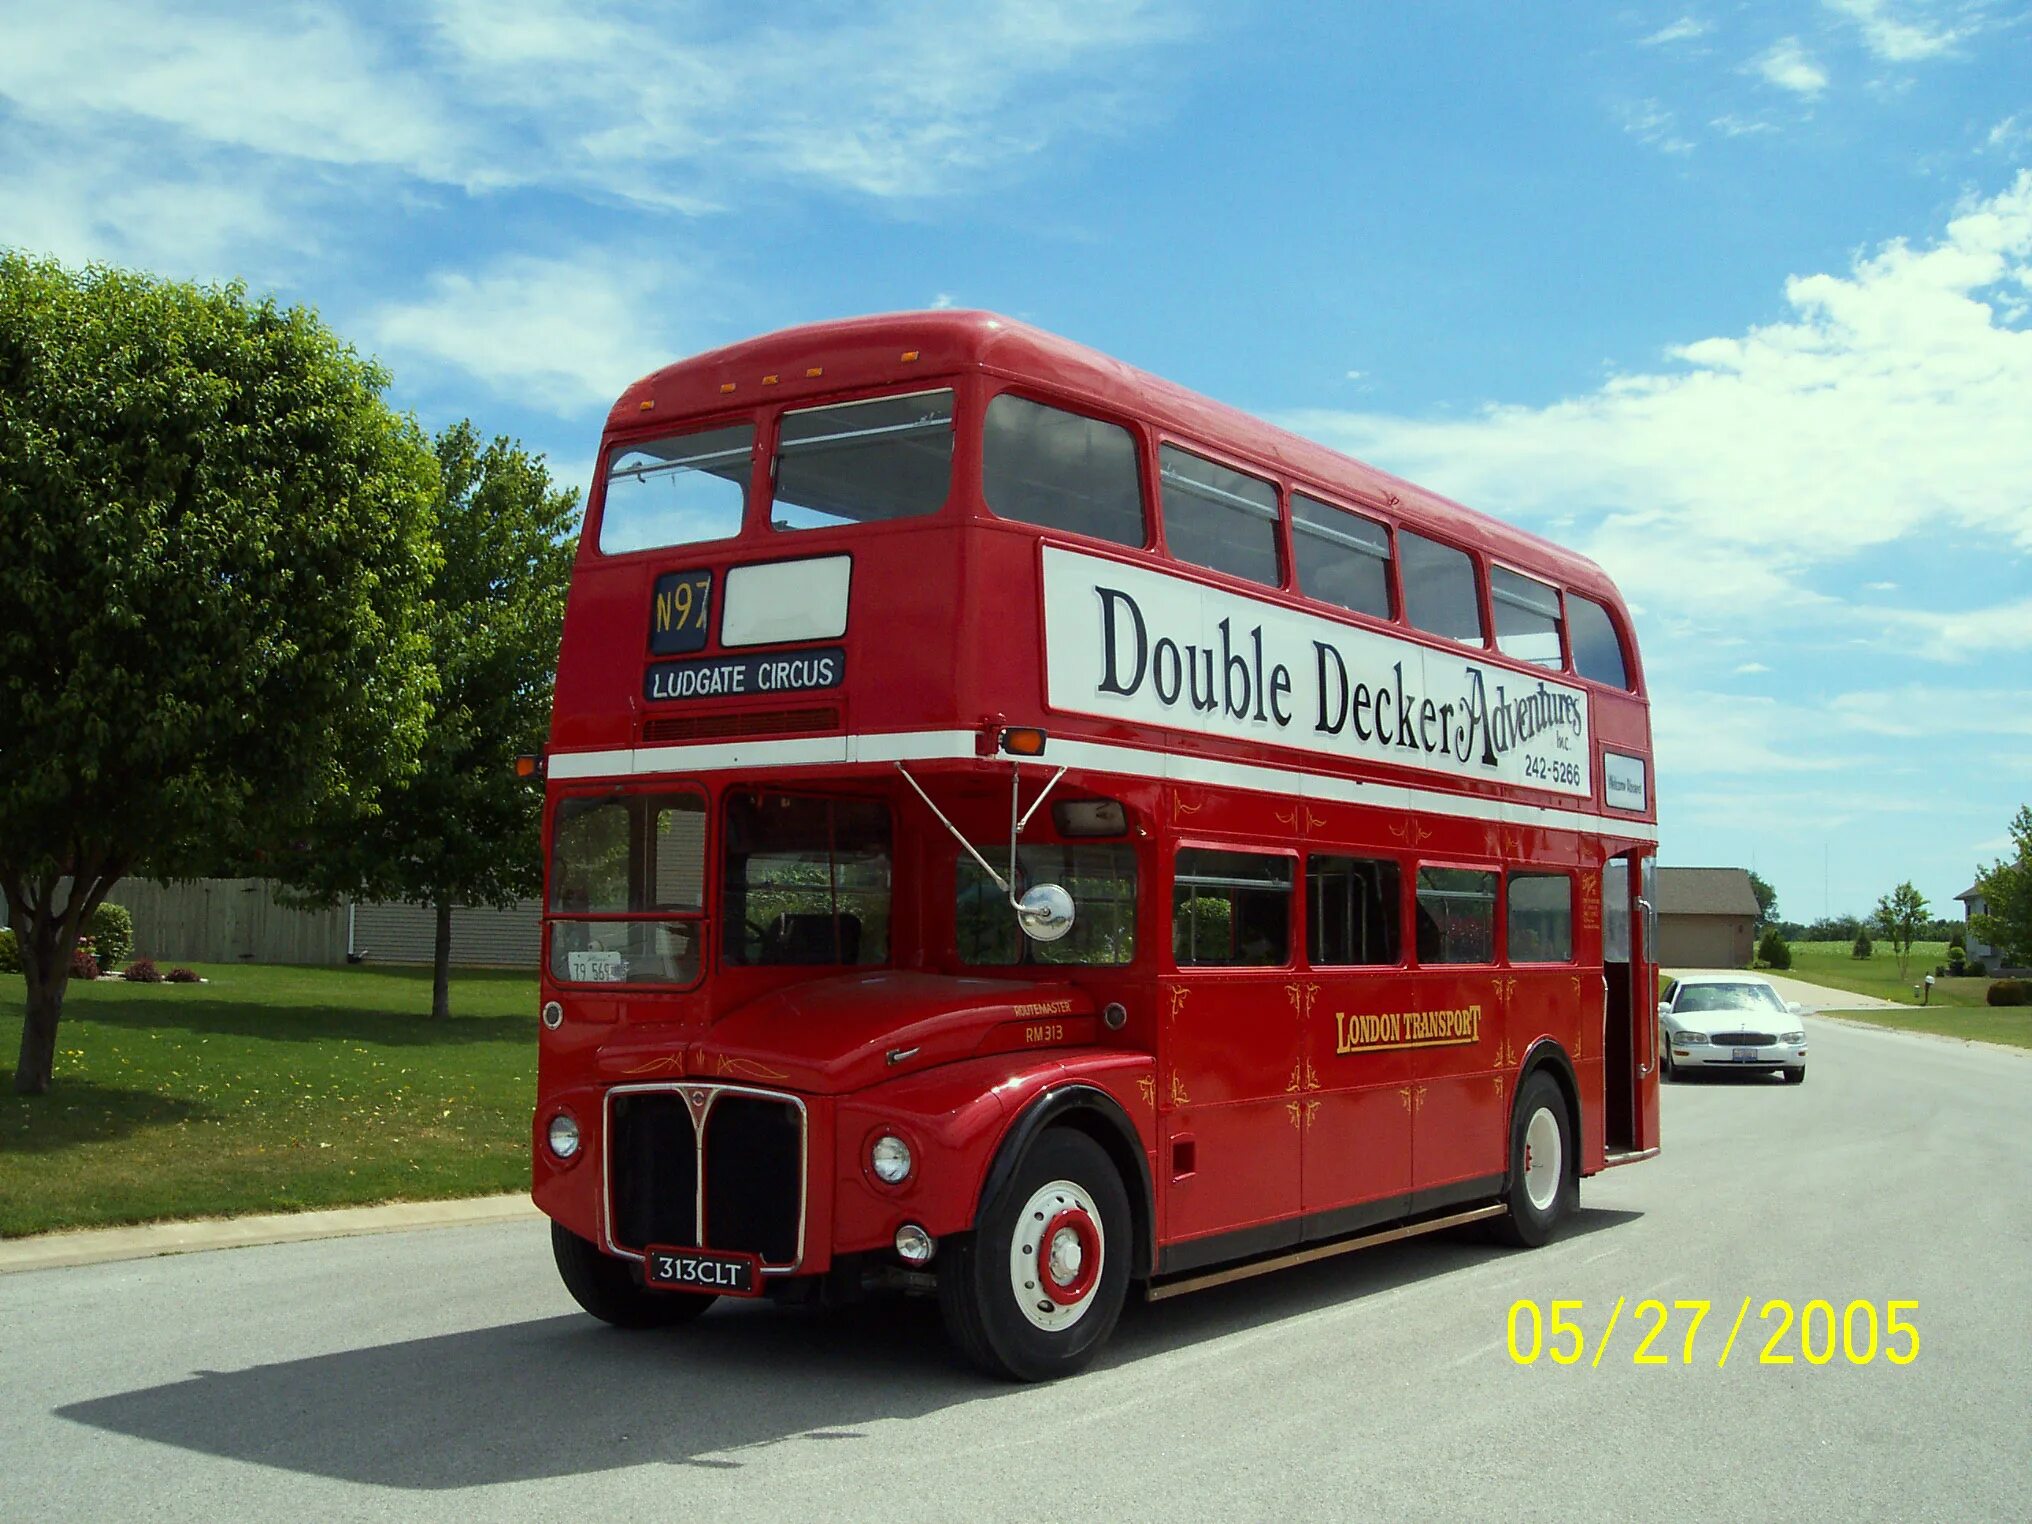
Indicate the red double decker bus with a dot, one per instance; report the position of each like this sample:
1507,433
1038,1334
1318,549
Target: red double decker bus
1022,832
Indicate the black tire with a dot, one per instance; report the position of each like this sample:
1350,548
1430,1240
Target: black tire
1527,1224
1667,1072
979,1294
1796,1076
607,1288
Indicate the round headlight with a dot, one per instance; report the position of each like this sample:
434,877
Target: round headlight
553,1015
564,1135
890,1159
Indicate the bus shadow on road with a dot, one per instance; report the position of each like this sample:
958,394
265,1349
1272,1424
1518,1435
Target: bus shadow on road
563,1396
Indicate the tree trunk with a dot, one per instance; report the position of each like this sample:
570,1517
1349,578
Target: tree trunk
441,983
37,1065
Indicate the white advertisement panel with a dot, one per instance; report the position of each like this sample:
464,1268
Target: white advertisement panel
1124,642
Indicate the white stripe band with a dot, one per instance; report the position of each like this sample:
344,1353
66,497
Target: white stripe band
1172,767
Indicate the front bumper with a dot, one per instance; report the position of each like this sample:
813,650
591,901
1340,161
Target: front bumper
1767,1058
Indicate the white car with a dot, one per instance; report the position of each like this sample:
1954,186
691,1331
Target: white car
1729,1021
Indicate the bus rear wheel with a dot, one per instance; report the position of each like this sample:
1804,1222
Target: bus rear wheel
607,1288
1034,1291
1542,1186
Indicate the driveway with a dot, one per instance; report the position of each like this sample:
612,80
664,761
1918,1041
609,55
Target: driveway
1815,997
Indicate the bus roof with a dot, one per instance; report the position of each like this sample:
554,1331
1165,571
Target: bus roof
817,359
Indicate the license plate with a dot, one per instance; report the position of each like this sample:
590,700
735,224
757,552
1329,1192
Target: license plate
708,1270
1743,1055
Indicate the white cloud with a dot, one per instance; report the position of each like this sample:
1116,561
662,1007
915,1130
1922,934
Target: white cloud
2010,136
1930,711
1751,668
1891,403
1650,122
1685,29
1895,38
563,334
1732,126
1702,734
1962,634
1880,587
1789,66
681,110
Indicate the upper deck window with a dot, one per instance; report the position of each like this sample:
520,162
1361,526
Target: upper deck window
1439,588
1342,557
677,490
1047,466
1219,518
1597,653
1527,618
863,462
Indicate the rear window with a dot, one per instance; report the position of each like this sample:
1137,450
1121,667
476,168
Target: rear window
1597,653
678,490
1050,467
863,462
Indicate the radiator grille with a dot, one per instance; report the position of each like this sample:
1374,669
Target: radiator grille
1744,1039
749,1171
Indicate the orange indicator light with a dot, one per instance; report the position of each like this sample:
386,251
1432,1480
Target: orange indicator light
910,354
1023,741
770,380
814,370
650,403
726,386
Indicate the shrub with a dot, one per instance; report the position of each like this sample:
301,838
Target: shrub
10,954
1863,946
1978,968
143,971
182,976
1773,951
1940,970
2008,992
1957,961
112,933
1958,940
84,965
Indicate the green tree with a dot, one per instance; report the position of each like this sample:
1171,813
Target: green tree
463,830
1767,900
1900,915
2006,922
216,542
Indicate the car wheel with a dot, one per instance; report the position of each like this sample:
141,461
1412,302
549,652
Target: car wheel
606,1287
1542,1188
1796,1076
1034,1291
1667,1073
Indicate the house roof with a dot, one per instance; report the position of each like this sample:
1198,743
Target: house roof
1973,892
1706,891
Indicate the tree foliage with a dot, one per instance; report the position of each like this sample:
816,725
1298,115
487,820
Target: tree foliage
463,830
2006,922
1901,915
1767,899
217,540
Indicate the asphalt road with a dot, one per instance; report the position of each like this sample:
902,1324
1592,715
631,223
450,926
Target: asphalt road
444,1374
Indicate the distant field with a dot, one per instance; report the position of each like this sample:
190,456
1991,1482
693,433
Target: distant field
268,1089
1829,963
2007,1024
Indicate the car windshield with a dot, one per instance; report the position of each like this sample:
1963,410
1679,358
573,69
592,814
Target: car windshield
1727,997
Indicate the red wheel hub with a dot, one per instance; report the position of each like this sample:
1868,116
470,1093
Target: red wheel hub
1080,1274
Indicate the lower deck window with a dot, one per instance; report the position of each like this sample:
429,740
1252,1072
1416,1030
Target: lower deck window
1456,915
1101,881
627,888
1539,922
1351,911
1231,909
806,881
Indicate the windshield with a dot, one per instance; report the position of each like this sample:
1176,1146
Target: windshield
862,462
1728,997
627,889
806,880
1101,881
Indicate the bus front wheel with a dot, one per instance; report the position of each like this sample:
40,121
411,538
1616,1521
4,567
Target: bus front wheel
1542,1185
1034,1291
607,1288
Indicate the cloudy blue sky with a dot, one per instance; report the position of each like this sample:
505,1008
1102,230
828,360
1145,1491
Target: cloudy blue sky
1733,297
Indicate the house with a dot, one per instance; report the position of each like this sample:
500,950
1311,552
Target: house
1973,905
1707,918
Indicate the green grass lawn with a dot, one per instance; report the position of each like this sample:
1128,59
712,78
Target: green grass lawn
267,1089
2005,1024
1829,963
